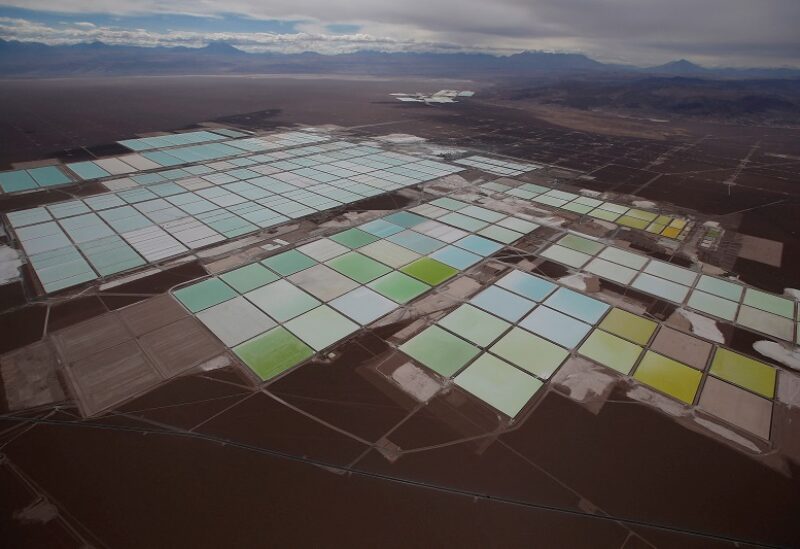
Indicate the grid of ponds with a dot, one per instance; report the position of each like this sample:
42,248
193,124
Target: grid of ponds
510,338
76,241
468,217
178,149
277,313
287,165
496,166
502,345
33,178
728,300
194,153
674,227
178,139
200,175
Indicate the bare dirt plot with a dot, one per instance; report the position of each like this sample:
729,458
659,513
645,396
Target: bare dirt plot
762,250
29,377
119,355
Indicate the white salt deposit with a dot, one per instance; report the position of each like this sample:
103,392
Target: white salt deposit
703,326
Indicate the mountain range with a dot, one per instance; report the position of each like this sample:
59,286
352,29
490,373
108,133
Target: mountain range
31,59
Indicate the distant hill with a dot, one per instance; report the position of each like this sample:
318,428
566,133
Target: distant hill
744,101
680,67
31,59
221,48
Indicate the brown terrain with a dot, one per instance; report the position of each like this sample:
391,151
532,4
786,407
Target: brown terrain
328,455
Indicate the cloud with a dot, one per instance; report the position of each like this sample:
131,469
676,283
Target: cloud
30,31
645,31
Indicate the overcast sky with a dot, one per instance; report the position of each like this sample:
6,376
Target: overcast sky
643,32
